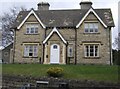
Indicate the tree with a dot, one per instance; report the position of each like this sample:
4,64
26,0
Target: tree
7,20
116,43
116,52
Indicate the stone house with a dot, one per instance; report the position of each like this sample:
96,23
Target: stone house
76,36
7,53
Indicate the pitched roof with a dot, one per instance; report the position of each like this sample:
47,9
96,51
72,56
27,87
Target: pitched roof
51,33
91,11
8,45
65,18
30,13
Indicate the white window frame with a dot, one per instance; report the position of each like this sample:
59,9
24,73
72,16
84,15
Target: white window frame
94,26
32,28
33,52
85,50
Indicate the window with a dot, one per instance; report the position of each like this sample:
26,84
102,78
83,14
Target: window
31,28
86,27
31,51
91,50
91,27
55,47
70,51
6,54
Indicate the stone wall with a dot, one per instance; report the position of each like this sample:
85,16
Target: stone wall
15,82
7,53
101,38
23,38
69,35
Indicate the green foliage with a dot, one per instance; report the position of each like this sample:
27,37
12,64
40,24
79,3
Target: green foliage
79,72
55,72
116,55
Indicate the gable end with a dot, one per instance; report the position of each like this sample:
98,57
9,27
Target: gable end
30,13
54,30
89,11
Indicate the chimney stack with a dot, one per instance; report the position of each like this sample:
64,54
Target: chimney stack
85,4
43,6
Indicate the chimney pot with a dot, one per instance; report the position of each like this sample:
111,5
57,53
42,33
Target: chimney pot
87,4
43,6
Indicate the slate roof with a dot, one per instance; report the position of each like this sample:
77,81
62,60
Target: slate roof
7,46
65,18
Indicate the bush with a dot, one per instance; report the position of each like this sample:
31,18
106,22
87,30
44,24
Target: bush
55,72
116,54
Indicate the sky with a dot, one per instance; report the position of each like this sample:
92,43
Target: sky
5,5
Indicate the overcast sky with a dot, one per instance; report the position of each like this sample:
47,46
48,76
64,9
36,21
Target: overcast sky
64,4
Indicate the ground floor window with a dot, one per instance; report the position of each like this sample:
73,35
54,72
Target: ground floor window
31,50
70,51
91,50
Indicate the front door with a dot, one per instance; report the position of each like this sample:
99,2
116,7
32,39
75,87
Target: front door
54,54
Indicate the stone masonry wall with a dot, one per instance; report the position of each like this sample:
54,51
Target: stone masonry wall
23,38
102,38
16,82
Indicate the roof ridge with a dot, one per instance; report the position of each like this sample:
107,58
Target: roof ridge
70,9
65,16
102,8
63,10
67,10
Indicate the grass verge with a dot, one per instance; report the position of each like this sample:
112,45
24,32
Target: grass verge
80,72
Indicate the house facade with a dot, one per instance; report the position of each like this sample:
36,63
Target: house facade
77,36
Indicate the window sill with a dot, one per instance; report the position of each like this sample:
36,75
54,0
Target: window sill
70,56
31,34
91,33
91,57
29,57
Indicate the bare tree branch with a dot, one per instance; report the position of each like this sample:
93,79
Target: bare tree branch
116,43
7,21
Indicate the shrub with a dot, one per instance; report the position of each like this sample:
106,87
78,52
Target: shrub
55,72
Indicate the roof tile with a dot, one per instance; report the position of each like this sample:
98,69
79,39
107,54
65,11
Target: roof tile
65,18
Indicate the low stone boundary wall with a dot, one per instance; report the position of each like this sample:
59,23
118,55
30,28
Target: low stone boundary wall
16,82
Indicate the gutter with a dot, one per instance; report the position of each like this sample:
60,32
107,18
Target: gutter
66,54
44,47
110,46
14,45
75,46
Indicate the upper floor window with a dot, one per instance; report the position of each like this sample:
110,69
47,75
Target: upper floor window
32,29
91,27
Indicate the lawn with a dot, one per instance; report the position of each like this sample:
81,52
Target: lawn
80,72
